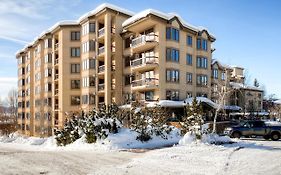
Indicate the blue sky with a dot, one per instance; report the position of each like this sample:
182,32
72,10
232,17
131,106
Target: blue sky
247,31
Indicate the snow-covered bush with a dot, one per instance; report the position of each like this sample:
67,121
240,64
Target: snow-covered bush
95,125
150,121
193,119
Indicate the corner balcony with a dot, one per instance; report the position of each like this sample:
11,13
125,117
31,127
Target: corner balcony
144,42
101,51
101,70
101,33
101,88
145,84
145,63
56,46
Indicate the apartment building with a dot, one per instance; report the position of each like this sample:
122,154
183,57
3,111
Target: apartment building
232,79
110,55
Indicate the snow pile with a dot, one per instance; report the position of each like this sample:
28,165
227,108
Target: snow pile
206,139
273,123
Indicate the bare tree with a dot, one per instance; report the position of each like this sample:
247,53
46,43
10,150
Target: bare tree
12,101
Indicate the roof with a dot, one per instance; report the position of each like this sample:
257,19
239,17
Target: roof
215,61
166,16
243,86
278,102
76,22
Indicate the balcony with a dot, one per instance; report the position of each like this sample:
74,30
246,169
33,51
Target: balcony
56,46
101,51
56,106
56,92
147,62
56,61
101,87
101,32
144,42
101,69
56,77
145,84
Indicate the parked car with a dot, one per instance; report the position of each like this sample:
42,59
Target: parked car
254,128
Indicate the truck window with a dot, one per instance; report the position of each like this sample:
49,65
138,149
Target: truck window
258,124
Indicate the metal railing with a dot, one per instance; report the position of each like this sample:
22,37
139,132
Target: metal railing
143,39
56,46
101,87
145,82
56,76
101,50
101,69
143,61
101,32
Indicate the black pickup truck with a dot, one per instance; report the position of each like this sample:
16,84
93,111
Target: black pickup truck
254,128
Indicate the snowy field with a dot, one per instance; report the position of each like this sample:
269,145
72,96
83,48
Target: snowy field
38,156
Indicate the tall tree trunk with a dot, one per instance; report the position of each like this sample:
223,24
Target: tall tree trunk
215,122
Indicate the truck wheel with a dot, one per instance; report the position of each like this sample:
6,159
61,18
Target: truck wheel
275,136
266,137
236,135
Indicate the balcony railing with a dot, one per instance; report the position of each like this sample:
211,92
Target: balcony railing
101,32
56,106
101,87
143,39
146,82
56,76
144,61
56,61
56,46
56,91
101,50
101,69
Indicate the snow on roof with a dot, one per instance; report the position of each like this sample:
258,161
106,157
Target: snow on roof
103,6
76,22
160,14
277,102
243,86
214,61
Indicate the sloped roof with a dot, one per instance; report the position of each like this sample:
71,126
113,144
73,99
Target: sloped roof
243,86
166,16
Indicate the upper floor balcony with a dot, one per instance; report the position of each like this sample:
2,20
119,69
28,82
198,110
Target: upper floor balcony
144,42
56,46
101,87
144,63
101,32
101,51
145,84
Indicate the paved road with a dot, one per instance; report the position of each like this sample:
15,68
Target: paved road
21,161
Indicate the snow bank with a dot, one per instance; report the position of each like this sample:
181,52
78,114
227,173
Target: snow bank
124,139
206,139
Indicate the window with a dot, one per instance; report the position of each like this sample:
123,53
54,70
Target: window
75,36
75,68
88,46
188,94
202,44
189,78
48,72
75,52
172,34
202,80
148,95
48,58
223,76
48,43
172,55
85,99
188,59
202,62
88,82
48,87
75,100
172,95
92,27
215,73
89,64
200,94
75,84
189,40
172,76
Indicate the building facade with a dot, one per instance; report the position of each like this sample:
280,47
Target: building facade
110,55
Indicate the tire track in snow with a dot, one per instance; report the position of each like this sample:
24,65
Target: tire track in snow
226,166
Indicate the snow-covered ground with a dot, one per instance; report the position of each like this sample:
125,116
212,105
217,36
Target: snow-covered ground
40,156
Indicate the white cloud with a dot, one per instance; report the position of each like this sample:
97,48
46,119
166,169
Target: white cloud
6,84
13,39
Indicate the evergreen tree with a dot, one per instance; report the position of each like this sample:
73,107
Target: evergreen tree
193,118
256,83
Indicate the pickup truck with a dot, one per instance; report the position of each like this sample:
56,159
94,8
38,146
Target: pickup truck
254,128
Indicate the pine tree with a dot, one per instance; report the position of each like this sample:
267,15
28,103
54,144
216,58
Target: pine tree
193,119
